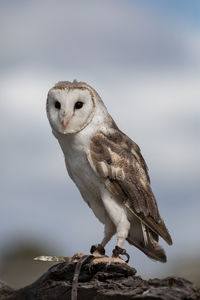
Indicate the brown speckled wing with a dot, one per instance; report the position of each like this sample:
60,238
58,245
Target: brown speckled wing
117,158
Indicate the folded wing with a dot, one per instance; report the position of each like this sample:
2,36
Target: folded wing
118,159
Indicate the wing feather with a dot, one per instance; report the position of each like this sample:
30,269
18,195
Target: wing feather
118,159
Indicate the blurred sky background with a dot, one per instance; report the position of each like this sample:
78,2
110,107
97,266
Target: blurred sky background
143,57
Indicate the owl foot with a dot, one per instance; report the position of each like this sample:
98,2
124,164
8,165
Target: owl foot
117,251
97,248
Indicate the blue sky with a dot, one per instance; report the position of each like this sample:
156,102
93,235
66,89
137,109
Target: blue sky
144,60
185,11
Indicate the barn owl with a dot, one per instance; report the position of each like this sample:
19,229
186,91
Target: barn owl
108,169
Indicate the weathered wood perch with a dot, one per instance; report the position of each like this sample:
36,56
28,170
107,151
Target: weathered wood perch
100,281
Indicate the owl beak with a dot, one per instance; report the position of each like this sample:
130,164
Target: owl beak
65,119
64,123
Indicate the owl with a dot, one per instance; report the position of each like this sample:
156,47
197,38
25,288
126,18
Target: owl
108,169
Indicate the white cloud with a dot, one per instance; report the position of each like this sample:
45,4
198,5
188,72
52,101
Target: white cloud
161,113
156,110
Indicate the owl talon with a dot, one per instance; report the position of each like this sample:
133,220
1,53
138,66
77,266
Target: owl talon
99,248
117,251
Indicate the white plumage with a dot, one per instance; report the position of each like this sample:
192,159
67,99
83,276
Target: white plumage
107,168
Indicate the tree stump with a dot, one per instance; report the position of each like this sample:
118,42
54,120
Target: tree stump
116,281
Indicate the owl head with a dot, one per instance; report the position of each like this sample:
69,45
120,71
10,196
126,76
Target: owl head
71,106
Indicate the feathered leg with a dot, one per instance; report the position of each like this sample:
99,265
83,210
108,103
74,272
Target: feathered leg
118,215
109,231
119,250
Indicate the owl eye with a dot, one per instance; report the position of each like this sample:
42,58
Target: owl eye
57,105
78,105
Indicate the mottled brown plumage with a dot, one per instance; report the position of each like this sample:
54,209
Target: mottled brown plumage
118,159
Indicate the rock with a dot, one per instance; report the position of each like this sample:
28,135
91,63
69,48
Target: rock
5,290
97,281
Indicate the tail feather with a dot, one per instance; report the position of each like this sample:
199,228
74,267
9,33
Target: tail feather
147,241
156,253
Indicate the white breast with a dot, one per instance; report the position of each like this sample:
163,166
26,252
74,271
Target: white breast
75,150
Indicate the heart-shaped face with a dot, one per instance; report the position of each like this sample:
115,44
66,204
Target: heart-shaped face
70,109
